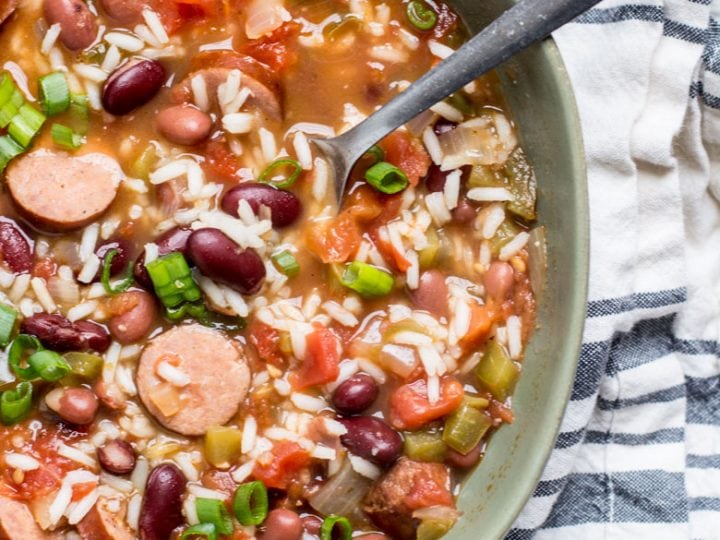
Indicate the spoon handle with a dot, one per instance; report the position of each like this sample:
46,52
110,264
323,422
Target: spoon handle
526,22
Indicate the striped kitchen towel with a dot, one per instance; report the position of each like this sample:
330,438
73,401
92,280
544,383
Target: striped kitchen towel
638,455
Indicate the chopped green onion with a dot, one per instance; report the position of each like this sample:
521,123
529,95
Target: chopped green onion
386,178
49,365
193,310
79,113
124,284
15,404
214,511
25,125
8,150
172,280
8,316
366,280
21,345
335,528
283,182
375,153
201,530
65,137
10,108
54,93
421,15
7,86
250,503
286,263
86,365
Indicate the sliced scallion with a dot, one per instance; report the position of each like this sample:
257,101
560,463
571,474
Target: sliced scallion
25,125
8,150
386,178
79,113
250,503
15,404
366,280
124,283
65,137
376,154
8,316
201,530
421,15
214,511
286,263
49,365
172,280
54,93
10,108
19,350
335,528
7,86
273,173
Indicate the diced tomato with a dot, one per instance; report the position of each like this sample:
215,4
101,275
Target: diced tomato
266,341
389,253
411,409
408,154
45,268
481,320
322,358
219,160
426,492
288,458
80,490
363,204
335,240
273,50
177,13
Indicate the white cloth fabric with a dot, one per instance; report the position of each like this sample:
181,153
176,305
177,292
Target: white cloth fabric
639,451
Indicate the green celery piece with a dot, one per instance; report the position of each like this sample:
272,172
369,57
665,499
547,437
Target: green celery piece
496,371
465,428
523,185
505,232
425,445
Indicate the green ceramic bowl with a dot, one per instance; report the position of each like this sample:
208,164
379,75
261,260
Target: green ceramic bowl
543,106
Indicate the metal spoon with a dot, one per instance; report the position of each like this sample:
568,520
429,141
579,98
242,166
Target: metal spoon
519,27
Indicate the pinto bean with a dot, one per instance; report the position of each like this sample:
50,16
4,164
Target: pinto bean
78,28
372,439
59,334
284,206
282,524
132,86
432,293
161,510
117,457
499,280
184,124
221,259
15,249
135,323
75,405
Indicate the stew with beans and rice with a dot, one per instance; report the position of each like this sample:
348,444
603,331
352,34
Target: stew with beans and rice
197,343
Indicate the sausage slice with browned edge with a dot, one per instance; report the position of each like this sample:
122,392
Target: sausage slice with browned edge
59,192
191,378
106,521
18,523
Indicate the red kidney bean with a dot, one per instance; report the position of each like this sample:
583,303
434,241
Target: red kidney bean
59,334
183,124
125,11
117,457
312,524
78,28
132,86
435,179
221,259
161,510
355,394
432,293
464,212
75,405
135,323
170,241
15,248
499,280
372,439
282,524
284,206
464,461
443,125
121,258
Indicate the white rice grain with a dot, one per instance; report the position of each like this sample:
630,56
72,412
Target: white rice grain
435,203
89,269
249,434
514,336
43,295
140,473
303,151
81,311
312,128
200,94
144,33
364,468
321,179
190,510
89,241
452,189
76,455
155,25
307,403
205,493
447,111
243,472
432,145
174,169
268,144
91,73
237,302
388,53
124,41
324,453
57,59
509,250
493,219
371,369
50,38
439,50
117,483
411,41
22,462
19,287
433,389
133,511
340,314
111,60
172,374
151,252
489,194
77,512
282,387
238,123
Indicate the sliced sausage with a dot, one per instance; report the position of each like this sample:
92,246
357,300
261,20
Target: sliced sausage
211,379
408,486
18,523
261,97
78,28
106,521
125,11
59,192
7,9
